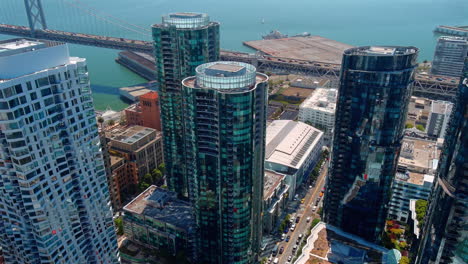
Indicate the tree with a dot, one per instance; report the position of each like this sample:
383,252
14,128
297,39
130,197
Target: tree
111,122
156,176
122,121
409,125
119,224
162,168
404,260
100,121
420,127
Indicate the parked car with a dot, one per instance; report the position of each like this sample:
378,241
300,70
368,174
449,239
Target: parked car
289,258
293,227
298,241
302,200
283,236
287,238
298,219
294,249
308,219
281,250
314,208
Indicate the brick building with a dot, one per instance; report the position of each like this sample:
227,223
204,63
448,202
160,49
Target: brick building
146,112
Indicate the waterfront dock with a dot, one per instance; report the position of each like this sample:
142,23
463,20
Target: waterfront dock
460,31
312,48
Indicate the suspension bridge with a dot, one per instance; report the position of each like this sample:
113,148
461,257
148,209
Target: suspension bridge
116,33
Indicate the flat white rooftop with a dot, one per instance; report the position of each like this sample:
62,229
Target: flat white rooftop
322,99
20,57
289,143
16,46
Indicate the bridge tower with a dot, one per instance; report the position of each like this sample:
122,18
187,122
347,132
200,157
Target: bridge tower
35,13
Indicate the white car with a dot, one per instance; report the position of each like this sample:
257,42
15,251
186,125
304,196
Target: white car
293,227
283,236
314,208
308,219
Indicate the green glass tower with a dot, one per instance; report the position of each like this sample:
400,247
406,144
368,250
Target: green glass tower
182,42
225,122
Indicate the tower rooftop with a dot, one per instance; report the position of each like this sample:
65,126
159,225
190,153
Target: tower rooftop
186,20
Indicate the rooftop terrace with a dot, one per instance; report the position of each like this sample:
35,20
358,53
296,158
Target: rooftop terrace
271,181
129,135
162,205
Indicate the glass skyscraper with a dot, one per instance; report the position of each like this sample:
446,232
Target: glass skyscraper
225,120
182,42
54,201
445,233
374,92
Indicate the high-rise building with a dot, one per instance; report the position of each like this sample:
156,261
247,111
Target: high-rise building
54,202
182,42
445,236
225,123
375,88
449,55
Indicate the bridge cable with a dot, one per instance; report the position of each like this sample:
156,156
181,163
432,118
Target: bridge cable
92,13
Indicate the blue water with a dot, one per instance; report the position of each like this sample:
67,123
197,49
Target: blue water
356,22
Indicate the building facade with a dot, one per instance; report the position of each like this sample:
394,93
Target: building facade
292,148
445,234
134,151
225,119
319,110
54,202
145,113
449,56
275,199
438,118
157,219
415,175
182,42
374,92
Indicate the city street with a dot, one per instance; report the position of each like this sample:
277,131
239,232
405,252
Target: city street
305,210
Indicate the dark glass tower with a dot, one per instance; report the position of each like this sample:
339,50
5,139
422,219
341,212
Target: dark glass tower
375,88
225,121
182,42
445,235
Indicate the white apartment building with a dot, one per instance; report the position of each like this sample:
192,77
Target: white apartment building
319,110
54,201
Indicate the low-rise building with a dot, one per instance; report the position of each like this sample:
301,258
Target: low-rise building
309,82
156,219
140,146
319,110
275,198
145,113
292,148
328,244
416,167
418,111
129,153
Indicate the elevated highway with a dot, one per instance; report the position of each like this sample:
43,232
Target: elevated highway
434,87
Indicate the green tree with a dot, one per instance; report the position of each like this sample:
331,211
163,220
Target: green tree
156,176
100,121
119,224
409,125
162,168
420,127
111,122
